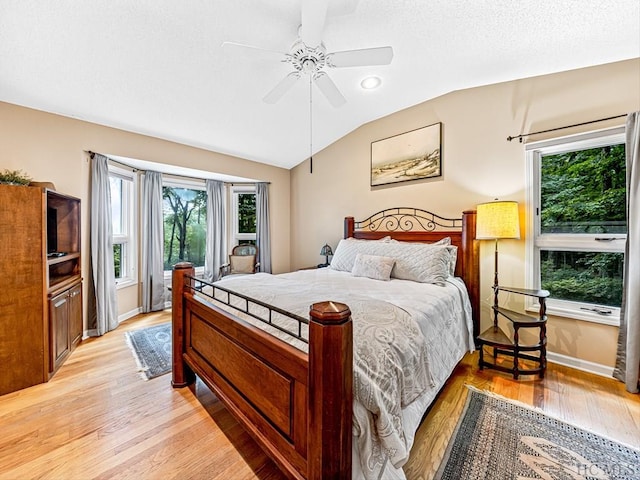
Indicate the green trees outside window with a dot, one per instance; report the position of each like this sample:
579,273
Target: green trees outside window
246,218
185,226
247,213
117,259
590,277
121,184
583,193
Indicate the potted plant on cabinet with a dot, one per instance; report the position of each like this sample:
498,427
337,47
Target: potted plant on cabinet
14,177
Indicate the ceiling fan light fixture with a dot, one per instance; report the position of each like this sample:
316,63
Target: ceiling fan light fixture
371,83
308,56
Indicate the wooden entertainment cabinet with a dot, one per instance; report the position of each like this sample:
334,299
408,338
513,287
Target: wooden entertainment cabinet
40,284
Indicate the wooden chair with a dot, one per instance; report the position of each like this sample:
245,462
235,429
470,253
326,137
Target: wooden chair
242,261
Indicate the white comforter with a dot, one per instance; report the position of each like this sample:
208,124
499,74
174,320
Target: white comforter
397,325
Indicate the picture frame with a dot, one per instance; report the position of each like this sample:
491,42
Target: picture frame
413,155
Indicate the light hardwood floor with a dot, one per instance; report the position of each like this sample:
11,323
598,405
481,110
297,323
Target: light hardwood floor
97,419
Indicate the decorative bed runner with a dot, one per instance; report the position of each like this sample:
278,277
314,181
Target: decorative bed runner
499,439
151,348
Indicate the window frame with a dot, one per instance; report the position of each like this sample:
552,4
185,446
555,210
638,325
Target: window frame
192,184
537,241
234,235
128,255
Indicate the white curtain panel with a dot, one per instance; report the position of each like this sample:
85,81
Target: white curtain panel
262,227
104,278
628,358
216,253
152,243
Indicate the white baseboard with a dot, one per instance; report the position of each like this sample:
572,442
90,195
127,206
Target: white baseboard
578,364
129,314
121,318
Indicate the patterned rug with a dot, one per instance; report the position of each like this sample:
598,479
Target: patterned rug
151,347
499,439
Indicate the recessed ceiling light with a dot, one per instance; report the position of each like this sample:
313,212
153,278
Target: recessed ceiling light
370,83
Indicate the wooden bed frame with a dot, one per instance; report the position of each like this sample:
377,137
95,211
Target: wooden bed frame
298,407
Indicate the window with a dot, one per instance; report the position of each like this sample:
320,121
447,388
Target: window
243,215
122,183
185,223
578,216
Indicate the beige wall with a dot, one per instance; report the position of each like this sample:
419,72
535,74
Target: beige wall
479,164
52,148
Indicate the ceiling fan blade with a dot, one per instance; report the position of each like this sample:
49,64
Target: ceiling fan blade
314,14
281,88
329,89
361,58
251,52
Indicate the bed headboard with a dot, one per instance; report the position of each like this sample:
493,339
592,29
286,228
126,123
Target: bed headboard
416,225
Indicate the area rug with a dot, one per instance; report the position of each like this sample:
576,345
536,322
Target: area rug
499,439
151,347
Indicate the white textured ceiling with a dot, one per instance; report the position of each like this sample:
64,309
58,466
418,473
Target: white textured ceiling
157,67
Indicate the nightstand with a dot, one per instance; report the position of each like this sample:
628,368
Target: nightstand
503,344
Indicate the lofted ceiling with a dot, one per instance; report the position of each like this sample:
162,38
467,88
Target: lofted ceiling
157,67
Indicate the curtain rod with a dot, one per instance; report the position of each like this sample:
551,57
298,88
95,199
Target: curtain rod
91,155
520,137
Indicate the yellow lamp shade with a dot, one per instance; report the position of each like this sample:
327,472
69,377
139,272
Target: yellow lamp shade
497,220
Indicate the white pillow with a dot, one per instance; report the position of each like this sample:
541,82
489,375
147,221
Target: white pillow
372,266
345,254
242,263
346,251
453,251
420,262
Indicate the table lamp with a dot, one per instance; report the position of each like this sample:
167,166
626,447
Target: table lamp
496,220
326,251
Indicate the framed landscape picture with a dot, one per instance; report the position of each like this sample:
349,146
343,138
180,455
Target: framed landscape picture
408,156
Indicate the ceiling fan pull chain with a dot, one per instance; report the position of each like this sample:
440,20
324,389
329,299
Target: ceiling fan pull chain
310,126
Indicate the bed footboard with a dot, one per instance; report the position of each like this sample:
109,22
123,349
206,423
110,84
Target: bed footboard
298,407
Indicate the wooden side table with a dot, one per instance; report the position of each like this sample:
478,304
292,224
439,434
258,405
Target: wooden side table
503,344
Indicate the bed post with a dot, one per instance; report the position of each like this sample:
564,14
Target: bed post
349,225
471,274
330,392
181,374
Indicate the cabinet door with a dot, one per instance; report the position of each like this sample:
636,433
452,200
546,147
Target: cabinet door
59,324
75,315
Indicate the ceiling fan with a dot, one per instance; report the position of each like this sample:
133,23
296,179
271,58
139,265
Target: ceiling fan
308,56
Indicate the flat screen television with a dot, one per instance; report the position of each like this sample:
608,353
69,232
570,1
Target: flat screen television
52,230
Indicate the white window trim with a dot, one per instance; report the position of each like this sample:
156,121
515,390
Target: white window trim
534,152
234,235
193,184
130,261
